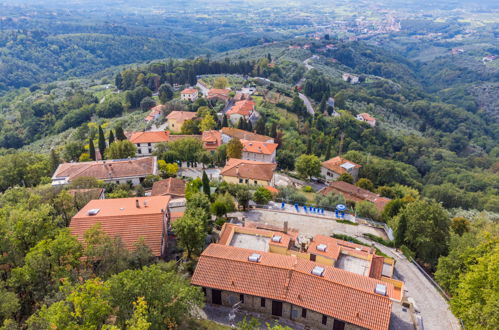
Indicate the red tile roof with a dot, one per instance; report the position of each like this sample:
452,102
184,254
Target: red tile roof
334,164
249,169
121,217
211,139
154,112
340,294
149,137
172,187
257,147
181,115
245,135
356,194
189,91
243,108
218,92
367,117
228,231
107,169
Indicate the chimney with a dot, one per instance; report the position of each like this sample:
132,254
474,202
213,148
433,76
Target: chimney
285,227
145,203
137,204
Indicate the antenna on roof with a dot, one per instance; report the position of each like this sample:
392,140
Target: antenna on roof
137,204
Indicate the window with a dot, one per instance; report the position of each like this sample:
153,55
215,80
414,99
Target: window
139,151
148,144
150,150
240,180
138,144
241,298
204,291
262,302
324,319
304,313
247,181
256,182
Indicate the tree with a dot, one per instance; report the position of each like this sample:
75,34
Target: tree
297,106
45,265
401,230
476,298
460,225
285,160
120,135
260,126
330,200
221,83
222,205
85,307
262,196
308,166
243,195
207,124
9,303
427,231
323,105
168,170
170,297
225,122
147,103
91,149
206,184
165,93
235,148
121,150
102,142
190,234
191,127
111,137
84,157
345,177
139,317
366,209
365,184
54,160
72,151
187,149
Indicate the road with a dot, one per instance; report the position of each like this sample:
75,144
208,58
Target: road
309,106
433,308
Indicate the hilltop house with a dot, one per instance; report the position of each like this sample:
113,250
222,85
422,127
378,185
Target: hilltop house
352,79
333,168
189,94
353,193
127,171
146,141
131,219
323,283
367,118
249,172
229,133
211,140
176,119
259,151
242,109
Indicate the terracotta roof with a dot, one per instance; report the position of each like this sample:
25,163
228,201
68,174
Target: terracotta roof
367,117
107,169
338,293
189,91
228,231
181,115
245,135
336,246
248,169
243,108
171,186
121,217
334,164
154,112
259,147
149,137
211,139
356,194
376,267
218,92
273,190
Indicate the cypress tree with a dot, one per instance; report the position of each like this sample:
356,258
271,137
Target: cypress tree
102,142
328,150
322,105
309,146
55,160
111,137
240,124
225,122
120,135
91,149
206,184
249,126
260,126
400,232
273,130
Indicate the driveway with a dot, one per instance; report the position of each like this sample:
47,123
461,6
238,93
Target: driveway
433,308
307,223
309,106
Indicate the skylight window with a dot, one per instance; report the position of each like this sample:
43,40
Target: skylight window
255,257
318,271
